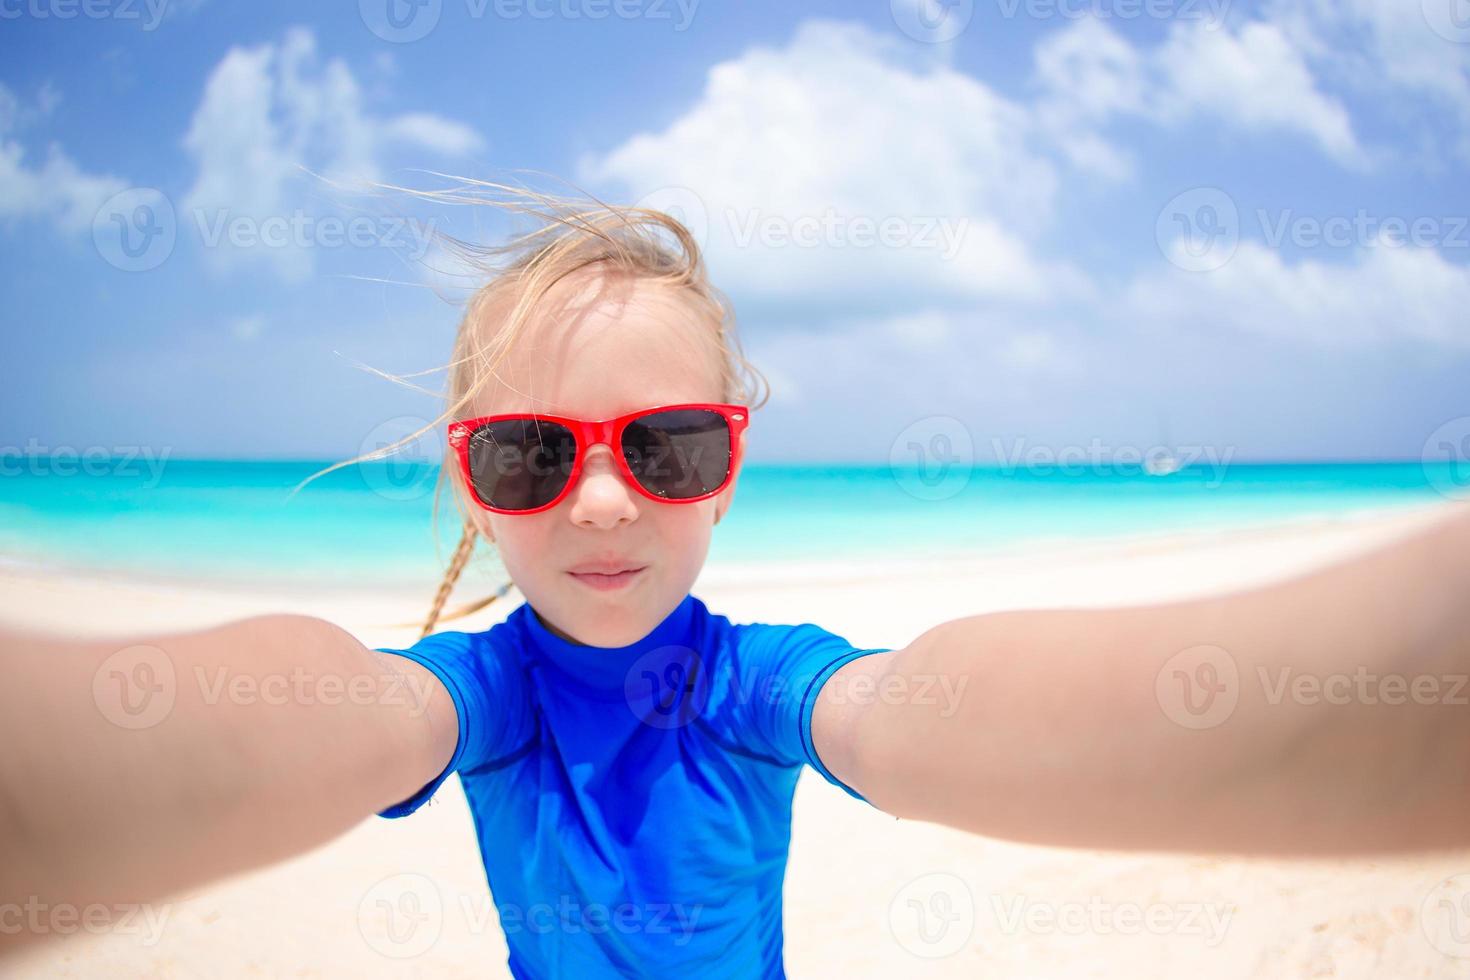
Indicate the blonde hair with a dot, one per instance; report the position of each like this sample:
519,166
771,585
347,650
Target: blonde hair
568,235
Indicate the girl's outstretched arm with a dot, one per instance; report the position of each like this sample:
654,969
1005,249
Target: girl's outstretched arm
1329,713
135,767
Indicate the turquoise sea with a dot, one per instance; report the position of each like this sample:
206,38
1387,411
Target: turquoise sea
370,524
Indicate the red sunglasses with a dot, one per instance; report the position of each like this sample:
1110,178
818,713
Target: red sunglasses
522,463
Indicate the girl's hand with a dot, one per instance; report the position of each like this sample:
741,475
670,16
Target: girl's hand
1325,714
136,767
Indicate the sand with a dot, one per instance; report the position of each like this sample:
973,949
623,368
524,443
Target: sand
856,875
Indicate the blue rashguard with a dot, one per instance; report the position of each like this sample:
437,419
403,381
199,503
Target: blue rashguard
633,804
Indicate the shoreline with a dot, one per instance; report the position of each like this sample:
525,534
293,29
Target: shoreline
41,597
1044,547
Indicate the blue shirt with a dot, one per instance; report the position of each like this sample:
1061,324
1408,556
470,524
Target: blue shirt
633,804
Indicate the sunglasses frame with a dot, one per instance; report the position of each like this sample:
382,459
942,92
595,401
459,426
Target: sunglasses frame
587,434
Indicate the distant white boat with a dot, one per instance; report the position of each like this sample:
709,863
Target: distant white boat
1162,464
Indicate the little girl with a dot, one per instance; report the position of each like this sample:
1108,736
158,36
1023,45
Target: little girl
622,747
630,756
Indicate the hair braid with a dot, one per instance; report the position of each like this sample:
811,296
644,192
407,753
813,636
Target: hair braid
451,575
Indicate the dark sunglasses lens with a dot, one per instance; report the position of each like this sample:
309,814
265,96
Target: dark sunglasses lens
680,453
521,464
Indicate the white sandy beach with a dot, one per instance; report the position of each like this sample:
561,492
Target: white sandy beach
854,871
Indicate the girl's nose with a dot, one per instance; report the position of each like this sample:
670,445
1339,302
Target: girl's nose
602,498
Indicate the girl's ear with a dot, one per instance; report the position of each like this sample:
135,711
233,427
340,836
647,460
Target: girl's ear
481,519
725,498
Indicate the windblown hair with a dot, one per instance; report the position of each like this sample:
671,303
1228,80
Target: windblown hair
568,235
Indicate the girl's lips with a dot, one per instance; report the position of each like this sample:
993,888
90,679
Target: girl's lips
607,582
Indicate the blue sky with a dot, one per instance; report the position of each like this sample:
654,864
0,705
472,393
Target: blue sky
1105,222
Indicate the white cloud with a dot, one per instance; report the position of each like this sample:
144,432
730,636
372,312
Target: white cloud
272,111
1380,49
1090,74
57,189
973,342
1400,43
841,126
247,328
10,109
1253,79
778,132
431,132
926,329
1385,294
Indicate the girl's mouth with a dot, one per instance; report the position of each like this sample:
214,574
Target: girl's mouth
598,580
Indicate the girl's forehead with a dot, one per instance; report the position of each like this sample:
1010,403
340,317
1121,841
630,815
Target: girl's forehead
602,352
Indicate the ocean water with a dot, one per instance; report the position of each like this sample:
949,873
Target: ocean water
369,524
